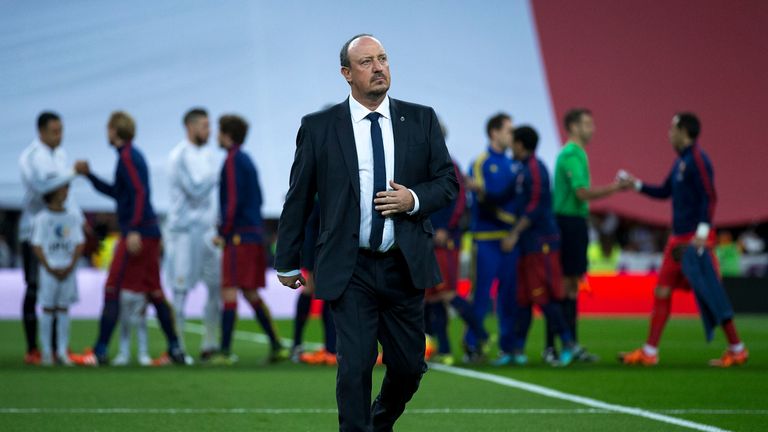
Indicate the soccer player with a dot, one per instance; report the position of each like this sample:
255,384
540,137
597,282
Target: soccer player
327,354
572,193
539,272
691,186
447,224
191,227
57,241
493,215
133,317
241,231
43,160
137,255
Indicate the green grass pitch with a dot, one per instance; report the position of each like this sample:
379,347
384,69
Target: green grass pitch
287,397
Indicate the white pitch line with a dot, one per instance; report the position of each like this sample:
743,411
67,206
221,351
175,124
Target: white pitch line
556,394
520,385
280,411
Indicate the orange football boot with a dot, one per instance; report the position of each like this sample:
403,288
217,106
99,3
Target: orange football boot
32,357
731,358
638,357
314,357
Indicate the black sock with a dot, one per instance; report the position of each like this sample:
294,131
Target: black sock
303,304
329,329
165,316
551,333
265,320
464,310
228,317
107,325
30,318
440,327
570,311
54,335
522,326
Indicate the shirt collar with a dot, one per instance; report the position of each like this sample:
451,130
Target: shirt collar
359,112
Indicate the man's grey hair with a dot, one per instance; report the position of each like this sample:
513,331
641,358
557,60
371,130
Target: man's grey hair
344,54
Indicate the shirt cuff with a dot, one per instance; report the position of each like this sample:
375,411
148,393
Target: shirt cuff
638,185
290,273
415,203
702,231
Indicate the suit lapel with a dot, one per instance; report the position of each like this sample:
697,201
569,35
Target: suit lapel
347,144
400,135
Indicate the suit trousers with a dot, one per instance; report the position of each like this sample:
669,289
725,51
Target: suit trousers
380,304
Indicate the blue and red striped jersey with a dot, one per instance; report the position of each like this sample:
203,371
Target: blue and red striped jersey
450,217
534,201
691,184
131,192
240,199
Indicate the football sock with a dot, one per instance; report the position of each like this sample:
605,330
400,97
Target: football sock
46,322
107,325
179,299
570,313
440,327
464,309
228,317
303,304
524,318
730,333
141,336
554,314
329,329
165,316
30,317
265,320
659,317
62,319
549,341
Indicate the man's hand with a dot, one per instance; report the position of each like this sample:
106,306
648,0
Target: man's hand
441,237
398,200
508,243
82,168
292,282
133,242
472,185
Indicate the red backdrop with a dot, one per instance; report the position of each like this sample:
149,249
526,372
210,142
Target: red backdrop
634,63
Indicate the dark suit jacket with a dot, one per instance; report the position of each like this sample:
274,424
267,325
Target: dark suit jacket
326,163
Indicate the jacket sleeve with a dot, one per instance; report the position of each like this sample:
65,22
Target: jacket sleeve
705,188
443,186
102,186
659,192
298,202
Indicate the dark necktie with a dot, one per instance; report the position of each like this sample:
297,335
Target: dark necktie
379,179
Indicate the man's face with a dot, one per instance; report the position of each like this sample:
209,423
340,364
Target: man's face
504,135
518,151
112,136
585,128
676,135
61,195
225,141
368,71
51,133
199,130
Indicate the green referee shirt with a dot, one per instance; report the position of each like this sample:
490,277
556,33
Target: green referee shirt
571,173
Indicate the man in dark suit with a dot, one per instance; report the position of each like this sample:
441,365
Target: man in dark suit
379,167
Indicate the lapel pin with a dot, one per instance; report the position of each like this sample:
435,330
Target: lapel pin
402,119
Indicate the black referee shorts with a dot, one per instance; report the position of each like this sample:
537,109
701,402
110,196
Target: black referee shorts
574,240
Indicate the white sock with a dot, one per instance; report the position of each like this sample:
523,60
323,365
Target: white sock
46,326
141,336
211,319
179,299
62,335
650,350
125,338
736,348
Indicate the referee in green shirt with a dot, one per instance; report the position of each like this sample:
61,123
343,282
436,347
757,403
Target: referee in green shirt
572,192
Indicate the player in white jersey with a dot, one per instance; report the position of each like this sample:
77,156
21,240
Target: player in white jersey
42,162
57,241
133,316
191,227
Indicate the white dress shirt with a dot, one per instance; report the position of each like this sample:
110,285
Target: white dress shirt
193,177
361,128
40,167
